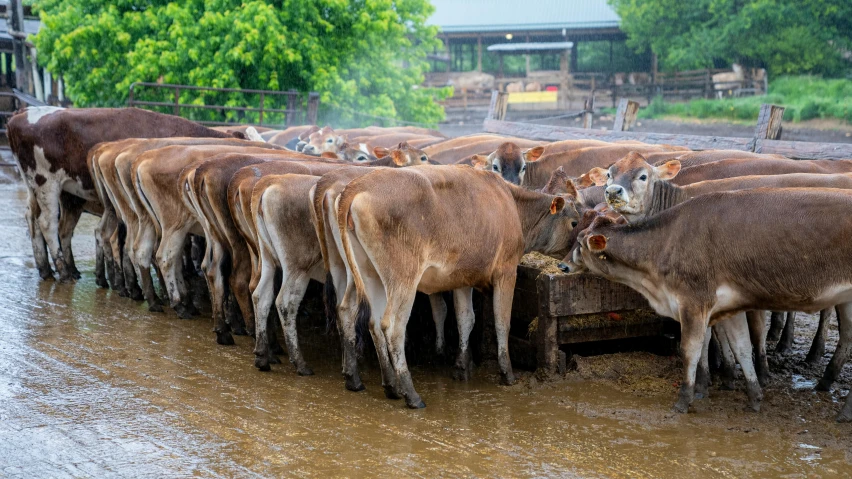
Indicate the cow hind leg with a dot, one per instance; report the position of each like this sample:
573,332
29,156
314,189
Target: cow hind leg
47,196
71,210
736,332
439,316
293,287
131,280
693,327
844,348
776,325
168,256
757,332
42,260
702,375
785,344
394,322
262,298
817,350
345,320
728,373
463,303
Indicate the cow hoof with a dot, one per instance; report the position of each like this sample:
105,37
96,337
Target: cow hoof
823,385
390,393
844,417
304,371
354,385
273,359
275,348
507,379
102,283
727,385
262,364
183,311
46,274
419,404
76,274
224,338
701,395
137,296
784,350
123,293
155,308
67,279
752,407
681,406
460,374
238,330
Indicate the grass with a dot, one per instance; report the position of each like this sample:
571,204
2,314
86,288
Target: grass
805,98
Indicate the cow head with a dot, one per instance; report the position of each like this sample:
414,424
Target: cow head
630,183
562,184
403,155
510,162
573,261
550,235
304,137
354,155
322,141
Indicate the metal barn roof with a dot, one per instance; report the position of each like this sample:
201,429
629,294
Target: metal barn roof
456,16
529,47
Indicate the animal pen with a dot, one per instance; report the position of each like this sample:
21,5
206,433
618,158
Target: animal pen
555,309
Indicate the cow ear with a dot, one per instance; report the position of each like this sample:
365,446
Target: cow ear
584,181
597,243
571,189
330,155
534,153
557,204
239,134
598,176
339,141
380,152
479,161
668,170
398,158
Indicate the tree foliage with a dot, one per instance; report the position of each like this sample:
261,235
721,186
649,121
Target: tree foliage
364,56
784,36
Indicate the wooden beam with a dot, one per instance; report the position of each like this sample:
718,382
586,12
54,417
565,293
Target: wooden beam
625,115
804,150
568,295
557,133
769,122
479,54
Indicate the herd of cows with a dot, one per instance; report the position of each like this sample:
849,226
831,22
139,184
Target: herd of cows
712,238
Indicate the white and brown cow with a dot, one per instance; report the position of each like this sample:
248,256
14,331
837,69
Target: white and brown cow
50,145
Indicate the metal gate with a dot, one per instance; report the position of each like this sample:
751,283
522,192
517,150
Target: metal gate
274,109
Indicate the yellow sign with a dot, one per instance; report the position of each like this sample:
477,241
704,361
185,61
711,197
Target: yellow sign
533,97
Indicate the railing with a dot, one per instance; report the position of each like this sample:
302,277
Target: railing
19,99
299,110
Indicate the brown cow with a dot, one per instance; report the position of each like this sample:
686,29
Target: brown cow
746,167
398,237
50,145
451,151
508,161
286,137
322,141
734,263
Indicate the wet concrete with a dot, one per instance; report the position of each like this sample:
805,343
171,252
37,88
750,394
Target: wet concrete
92,385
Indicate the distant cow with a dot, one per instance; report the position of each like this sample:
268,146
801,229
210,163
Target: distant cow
50,145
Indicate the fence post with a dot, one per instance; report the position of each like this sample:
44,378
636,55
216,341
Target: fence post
708,84
177,102
588,111
768,125
129,95
313,107
497,108
625,115
260,119
291,107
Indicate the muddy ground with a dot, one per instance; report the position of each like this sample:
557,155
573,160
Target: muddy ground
93,385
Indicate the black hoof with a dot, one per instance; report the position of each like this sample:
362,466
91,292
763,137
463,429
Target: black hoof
239,330
224,338
844,417
67,279
784,350
102,283
183,311
76,274
417,405
752,408
823,385
123,293
261,364
507,379
137,296
681,408
727,386
355,386
460,374
390,393
273,359
305,371
46,274
155,308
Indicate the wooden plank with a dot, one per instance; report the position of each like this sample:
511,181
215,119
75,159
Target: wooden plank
631,330
625,115
565,295
546,334
497,108
557,133
589,109
804,150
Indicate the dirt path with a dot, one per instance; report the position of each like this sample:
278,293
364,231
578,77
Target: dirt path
92,385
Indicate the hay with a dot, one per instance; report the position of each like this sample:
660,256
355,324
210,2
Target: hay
604,320
546,264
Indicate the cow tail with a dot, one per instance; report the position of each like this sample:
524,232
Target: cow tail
362,318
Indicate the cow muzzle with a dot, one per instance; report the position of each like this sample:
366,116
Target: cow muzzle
616,196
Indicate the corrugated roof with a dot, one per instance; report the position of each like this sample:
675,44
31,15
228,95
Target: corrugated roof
494,15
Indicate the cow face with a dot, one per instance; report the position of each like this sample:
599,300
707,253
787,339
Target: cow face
303,138
630,183
573,261
403,155
324,140
552,234
354,155
511,163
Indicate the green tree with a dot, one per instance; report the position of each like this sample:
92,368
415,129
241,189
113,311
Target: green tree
784,36
365,57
